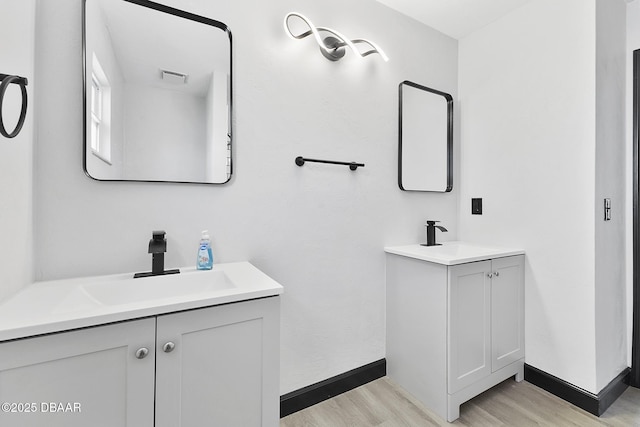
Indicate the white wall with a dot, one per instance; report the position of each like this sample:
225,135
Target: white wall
319,230
217,117
610,182
165,134
528,149
17,28
542,106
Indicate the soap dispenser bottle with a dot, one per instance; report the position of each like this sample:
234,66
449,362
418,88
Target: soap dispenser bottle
205,255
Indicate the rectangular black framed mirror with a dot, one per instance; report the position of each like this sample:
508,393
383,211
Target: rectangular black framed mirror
157,94
425,139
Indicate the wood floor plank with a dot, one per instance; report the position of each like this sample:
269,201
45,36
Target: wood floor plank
402,406
382,403
625,411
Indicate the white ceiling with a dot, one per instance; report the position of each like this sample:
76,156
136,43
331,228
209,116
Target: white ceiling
146,41
455,18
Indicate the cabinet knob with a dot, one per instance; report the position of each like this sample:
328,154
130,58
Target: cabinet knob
142,353
497,273
168,347
489,275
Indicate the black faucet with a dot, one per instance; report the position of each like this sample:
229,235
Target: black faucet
431,233
157,248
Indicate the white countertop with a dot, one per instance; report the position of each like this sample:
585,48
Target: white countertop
452,253
54,306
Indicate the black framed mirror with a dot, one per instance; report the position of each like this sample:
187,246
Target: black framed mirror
425,146
157,94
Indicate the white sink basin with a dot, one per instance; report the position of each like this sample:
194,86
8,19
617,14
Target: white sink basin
53,306
158,287
130,290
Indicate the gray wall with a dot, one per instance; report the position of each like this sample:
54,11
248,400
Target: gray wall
611,182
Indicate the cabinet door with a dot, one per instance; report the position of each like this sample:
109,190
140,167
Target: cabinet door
507,315
469,319
90,377
224,368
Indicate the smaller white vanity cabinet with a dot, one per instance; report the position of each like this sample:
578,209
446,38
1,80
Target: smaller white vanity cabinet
455,321
209,358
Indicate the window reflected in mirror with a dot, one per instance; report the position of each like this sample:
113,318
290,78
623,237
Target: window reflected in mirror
100,113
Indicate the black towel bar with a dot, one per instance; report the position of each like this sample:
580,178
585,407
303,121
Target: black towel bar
352,165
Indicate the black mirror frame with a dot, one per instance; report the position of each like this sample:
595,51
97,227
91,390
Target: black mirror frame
182,14
449,100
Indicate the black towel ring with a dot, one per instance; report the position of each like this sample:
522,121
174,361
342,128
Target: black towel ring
6,81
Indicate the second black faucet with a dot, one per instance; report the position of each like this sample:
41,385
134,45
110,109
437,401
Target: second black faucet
431,233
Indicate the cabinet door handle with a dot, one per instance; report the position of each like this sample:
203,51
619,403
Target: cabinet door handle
142,353
497,273
489,275
168,347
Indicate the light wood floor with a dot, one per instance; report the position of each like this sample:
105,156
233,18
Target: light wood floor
383,404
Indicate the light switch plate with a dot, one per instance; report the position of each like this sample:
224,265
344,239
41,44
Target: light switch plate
607,209
476,206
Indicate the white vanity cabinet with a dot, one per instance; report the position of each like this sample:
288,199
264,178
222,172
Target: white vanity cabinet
94,370
215,366
455,325
485,319
219,366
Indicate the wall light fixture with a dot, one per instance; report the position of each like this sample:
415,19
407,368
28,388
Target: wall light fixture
333,45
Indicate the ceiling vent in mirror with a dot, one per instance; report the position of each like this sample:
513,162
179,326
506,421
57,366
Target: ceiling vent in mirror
173,77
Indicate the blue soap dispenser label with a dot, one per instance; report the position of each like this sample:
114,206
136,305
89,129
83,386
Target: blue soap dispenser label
205,255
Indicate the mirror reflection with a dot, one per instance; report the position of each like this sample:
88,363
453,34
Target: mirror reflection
425,161
157,94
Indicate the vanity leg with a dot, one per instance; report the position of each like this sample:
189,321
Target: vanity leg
520,374
453,411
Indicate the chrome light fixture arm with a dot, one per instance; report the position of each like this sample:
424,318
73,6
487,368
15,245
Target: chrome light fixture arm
332,46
